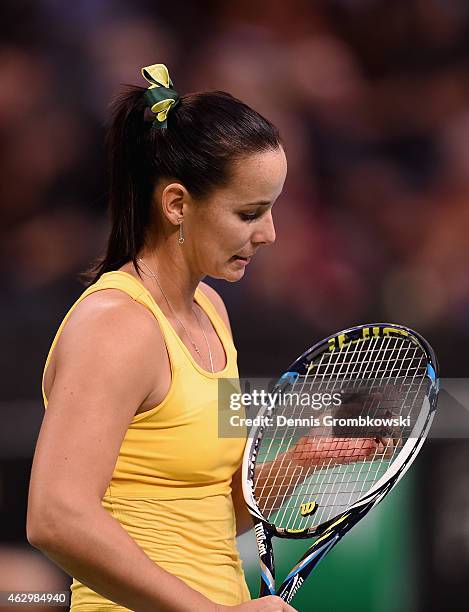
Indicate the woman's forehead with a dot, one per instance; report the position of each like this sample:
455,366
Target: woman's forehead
258,177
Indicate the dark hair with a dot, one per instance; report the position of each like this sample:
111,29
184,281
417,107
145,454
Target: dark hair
206,132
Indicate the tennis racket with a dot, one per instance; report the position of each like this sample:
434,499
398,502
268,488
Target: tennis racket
320,473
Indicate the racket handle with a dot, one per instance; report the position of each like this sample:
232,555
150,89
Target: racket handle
316,553
266,559
305,566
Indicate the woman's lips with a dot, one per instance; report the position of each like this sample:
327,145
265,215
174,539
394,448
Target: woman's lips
241,260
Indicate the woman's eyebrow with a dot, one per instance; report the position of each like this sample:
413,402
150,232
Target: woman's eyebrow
260,203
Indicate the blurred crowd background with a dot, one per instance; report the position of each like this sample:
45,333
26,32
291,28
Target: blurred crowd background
372,100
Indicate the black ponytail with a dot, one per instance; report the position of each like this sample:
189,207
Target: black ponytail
206,132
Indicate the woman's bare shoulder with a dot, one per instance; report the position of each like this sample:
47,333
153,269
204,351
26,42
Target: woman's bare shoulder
110,324
112,310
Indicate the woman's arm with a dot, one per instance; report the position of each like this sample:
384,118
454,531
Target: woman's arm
103,375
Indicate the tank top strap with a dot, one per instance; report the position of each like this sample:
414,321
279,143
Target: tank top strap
178,353
118,279
220,327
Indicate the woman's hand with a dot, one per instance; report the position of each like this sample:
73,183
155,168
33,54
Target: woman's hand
313,451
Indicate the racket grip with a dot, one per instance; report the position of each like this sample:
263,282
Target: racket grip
266,559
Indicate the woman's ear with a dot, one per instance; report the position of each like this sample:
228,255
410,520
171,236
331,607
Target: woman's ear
173,198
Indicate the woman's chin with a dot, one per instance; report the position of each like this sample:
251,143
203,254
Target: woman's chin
236,276
230,273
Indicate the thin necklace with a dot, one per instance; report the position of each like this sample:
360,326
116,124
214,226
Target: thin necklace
196,348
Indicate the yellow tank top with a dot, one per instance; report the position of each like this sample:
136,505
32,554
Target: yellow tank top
171,486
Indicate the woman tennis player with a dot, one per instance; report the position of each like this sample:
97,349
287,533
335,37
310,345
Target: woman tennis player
133,493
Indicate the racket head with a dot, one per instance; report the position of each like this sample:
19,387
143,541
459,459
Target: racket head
396,365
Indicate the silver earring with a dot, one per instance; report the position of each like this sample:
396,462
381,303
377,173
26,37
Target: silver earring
181,232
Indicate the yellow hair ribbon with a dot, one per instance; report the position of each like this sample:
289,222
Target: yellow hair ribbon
161,96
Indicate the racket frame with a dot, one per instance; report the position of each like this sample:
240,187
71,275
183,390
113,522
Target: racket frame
331,531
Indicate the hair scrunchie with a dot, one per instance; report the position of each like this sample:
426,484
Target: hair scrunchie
161,96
